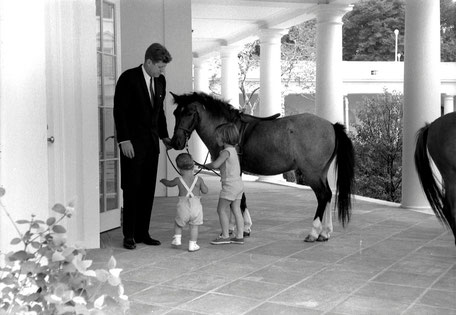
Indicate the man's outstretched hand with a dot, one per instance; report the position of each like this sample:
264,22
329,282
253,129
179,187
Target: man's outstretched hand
167,143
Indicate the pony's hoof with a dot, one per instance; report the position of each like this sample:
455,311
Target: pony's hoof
322,238
310,239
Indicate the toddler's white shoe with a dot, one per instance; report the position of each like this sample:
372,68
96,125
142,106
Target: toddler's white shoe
193,247
176,243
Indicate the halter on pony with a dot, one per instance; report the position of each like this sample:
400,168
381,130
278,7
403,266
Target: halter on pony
187,132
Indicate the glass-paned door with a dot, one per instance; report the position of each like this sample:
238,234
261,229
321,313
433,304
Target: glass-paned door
107,66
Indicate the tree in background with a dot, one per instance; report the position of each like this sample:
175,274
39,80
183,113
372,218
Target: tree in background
215,82
448,30
299,52
378,146
368,30
249,59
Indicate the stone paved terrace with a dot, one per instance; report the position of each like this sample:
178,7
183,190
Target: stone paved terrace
388,260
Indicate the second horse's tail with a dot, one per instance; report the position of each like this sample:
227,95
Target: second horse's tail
345,165
427,179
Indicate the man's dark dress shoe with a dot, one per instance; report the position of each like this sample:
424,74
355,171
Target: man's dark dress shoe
150,241
129,243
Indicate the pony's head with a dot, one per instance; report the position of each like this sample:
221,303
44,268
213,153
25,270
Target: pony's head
191,108
186,116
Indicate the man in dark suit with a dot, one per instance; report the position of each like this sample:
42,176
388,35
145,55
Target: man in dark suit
140,121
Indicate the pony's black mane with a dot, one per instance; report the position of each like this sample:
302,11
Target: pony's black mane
214,105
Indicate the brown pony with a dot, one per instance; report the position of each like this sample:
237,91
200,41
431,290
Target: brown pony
439,140
271,146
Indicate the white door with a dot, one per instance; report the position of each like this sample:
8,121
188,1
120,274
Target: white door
108,66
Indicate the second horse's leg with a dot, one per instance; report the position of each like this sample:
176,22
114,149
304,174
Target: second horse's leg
327,225
322,223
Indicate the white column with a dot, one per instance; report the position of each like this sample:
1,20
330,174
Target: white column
200,76
270,72
230,77
328,97
421,88
328,87
448,104
73,116
57,97
200,84
168,23
270,79
23,145
178,40
346,113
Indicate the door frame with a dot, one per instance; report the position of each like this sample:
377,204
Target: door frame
112,219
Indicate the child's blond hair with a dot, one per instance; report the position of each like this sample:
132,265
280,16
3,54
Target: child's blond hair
228,133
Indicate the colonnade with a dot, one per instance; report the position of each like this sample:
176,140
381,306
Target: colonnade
421,80
329,101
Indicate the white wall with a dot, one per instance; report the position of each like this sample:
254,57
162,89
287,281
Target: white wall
73,116
144,22
373,76
48,87
23,145
178,39
365,77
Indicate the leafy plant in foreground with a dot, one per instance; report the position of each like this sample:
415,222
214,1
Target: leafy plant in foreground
46,276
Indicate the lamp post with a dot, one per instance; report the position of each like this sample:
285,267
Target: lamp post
396,32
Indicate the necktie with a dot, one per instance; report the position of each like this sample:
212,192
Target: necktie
151,87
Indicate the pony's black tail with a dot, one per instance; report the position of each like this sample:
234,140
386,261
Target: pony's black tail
243,203
345,165
433,192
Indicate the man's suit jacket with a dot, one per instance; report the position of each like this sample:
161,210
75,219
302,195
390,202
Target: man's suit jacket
135,117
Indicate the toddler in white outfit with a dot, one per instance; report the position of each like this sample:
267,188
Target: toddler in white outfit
189,208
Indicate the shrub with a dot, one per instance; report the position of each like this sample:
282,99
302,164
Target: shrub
378,147
46,276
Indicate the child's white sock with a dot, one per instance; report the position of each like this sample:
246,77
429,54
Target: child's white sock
192,246
176,240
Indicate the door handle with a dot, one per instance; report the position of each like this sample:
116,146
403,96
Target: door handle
51,139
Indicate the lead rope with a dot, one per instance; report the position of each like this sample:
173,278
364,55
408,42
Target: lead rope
186,148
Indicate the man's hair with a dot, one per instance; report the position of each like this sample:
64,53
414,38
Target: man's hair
157,52
228,133
184,161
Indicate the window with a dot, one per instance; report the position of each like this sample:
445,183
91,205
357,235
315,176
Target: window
107,61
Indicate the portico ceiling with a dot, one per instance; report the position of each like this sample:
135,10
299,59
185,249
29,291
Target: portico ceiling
217,23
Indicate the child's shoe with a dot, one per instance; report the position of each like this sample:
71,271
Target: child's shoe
192,246
220,241
236,240
176,243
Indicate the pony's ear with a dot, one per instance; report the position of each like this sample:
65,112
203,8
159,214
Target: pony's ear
174,96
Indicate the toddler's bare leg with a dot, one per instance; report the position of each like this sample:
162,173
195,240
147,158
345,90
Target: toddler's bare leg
193,233
177,229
